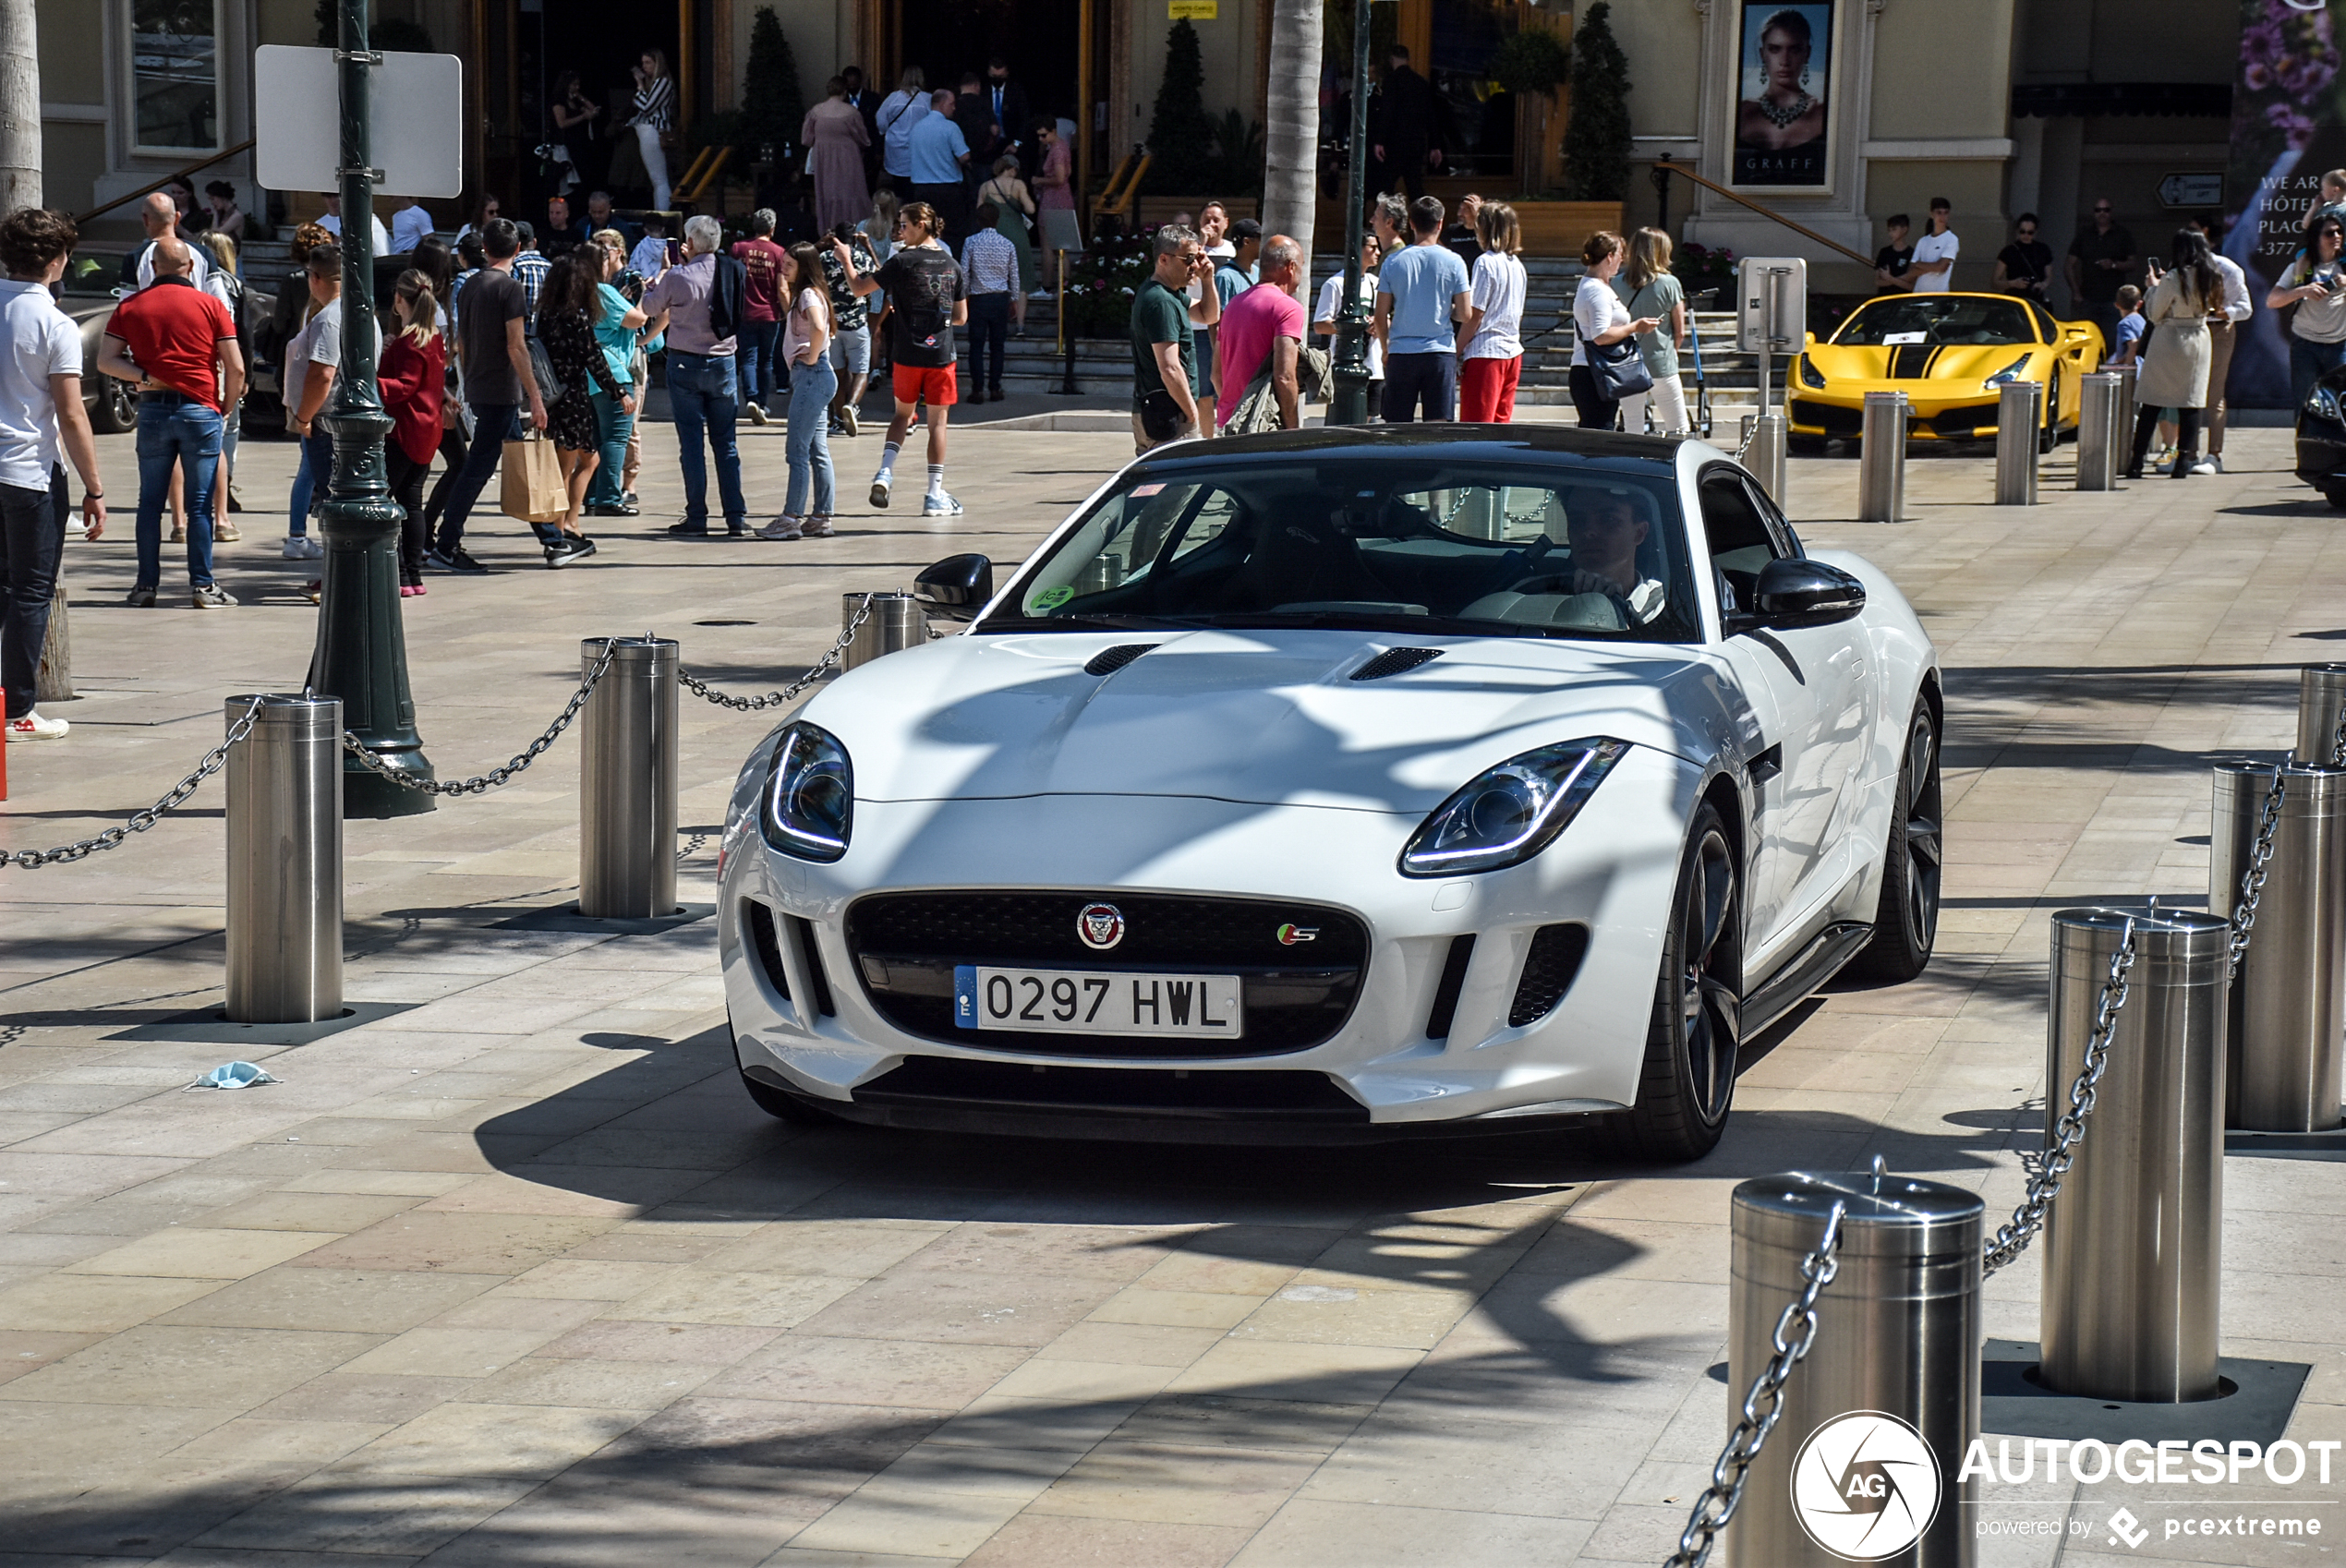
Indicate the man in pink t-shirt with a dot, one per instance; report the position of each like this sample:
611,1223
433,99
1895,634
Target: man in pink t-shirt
1266,322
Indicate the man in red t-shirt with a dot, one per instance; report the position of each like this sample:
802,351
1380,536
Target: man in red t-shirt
1265,324
768,265
178,345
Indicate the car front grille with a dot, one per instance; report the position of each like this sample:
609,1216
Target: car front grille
1550,966
1963,424
1296,992
1838,423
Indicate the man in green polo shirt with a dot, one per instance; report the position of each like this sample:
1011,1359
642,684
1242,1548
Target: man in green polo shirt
1163,353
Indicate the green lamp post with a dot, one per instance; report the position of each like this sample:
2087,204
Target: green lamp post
361,655
1350,403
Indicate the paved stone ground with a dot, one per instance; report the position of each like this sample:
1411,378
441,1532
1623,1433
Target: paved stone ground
514,1274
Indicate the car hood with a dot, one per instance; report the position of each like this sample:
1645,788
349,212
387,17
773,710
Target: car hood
1266,718
1919,362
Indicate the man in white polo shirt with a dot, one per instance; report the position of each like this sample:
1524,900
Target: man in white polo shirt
1933,269
40,413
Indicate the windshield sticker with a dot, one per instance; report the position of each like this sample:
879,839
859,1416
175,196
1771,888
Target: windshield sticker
1139,490
1051,598
1893,339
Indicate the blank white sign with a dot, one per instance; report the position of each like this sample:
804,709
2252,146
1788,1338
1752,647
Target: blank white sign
417,105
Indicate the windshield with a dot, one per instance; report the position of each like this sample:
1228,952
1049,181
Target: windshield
1596,548
1936,320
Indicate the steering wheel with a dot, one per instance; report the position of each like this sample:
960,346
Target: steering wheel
1517,568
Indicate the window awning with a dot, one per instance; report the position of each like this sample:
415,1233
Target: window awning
2053,99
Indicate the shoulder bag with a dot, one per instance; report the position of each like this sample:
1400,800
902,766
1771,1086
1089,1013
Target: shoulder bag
1619,369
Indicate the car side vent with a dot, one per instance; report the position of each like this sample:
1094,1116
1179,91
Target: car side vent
1396,661
1446,991
766,941
1107,662
1549,970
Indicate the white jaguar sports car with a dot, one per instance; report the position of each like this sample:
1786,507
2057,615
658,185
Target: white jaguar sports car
1343,785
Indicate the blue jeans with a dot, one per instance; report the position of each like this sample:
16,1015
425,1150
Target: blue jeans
811,387
316,469
172,433
611,431
757,340
493,425
2309,363
701,397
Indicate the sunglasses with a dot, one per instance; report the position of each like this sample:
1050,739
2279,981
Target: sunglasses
2101,209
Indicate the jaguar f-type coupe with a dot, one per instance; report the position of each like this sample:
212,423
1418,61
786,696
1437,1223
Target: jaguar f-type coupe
1342,785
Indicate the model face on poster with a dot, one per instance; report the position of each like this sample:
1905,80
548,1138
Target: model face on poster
1780,111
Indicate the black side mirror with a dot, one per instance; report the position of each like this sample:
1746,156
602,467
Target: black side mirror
957,587
1792,594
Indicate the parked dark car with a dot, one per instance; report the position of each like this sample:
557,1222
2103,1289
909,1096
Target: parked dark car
2321,438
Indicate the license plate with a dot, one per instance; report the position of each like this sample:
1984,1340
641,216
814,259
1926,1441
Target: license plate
1057,1001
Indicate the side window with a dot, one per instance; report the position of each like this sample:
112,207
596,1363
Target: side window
1780,534
1216,513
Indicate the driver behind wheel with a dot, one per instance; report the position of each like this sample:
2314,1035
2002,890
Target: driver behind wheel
1605,528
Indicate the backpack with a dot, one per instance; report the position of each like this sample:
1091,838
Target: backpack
725,297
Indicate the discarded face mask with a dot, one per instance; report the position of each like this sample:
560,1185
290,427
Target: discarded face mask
233,1075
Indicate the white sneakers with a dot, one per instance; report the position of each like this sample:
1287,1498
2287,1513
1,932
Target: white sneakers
301,547
784,527
937,503
32,727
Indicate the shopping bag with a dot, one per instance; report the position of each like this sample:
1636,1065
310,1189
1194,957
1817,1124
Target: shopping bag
531,484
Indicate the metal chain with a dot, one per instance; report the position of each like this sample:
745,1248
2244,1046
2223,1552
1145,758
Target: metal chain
2028,1219
495,776
2337,741
1795,1331
776,699
214,761
2252,881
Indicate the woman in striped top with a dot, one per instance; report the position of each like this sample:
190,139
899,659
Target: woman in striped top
655,114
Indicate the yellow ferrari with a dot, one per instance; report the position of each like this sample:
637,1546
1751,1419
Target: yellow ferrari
1952,355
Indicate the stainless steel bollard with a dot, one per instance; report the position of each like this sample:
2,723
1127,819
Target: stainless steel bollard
1898,1334
2133,1242
1763,453
2101,433
2127,376
898,621
1881,458
2321,701
2019,416
2289,1000
285,862
627,781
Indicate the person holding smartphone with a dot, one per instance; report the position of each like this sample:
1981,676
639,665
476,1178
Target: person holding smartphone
2317,331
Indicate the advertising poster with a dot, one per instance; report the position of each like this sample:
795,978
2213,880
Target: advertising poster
2289,126
1782,101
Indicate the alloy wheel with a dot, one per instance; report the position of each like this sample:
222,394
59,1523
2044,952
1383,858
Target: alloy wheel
1923,844
1707,997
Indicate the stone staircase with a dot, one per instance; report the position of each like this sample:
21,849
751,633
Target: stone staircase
1103,366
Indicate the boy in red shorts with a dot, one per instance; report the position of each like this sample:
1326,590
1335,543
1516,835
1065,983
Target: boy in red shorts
927,298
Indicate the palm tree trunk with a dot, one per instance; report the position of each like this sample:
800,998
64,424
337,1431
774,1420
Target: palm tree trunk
1291,143
20,107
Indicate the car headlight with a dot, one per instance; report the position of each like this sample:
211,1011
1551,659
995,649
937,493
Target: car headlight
1809,375
809,805
2322,404
1509,813
2009,373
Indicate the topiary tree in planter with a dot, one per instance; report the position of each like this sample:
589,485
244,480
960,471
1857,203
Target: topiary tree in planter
772,106
1596,139
1182,156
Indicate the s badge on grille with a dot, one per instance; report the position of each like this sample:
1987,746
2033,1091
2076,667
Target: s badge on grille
1289,935
1101,926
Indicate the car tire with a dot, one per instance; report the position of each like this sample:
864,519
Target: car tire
2336,499
1907,918
1688,1082
783,1105
2050,437
118,407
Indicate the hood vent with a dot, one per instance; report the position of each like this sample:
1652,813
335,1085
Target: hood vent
1396,661
1107,662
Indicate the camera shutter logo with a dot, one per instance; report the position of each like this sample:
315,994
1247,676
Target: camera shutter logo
1865,1486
